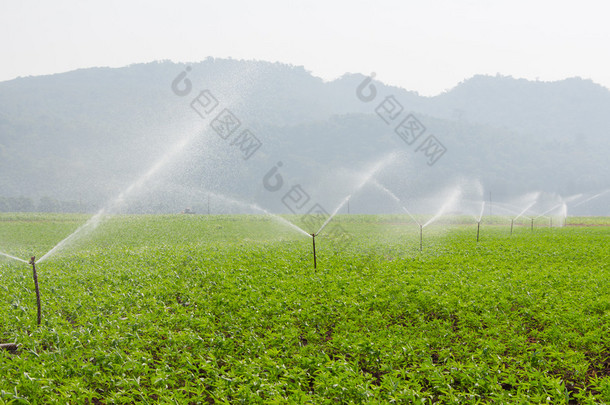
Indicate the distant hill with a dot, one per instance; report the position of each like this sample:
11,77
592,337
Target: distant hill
77,139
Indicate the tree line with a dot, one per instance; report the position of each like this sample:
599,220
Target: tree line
43,204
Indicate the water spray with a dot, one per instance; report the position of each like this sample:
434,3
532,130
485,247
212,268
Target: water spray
592,198
365,180
551,209
490,204
172,153
448,203
521,214
479,219
33,263
14,258
391,194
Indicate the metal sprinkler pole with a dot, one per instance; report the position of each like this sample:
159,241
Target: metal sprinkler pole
551,224
313,239
532,224
33,263
478,227
511,225
421,238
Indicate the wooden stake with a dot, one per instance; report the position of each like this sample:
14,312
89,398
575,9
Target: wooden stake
11,347
313,239
33,263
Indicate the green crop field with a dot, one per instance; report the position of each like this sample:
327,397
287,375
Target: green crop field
228,309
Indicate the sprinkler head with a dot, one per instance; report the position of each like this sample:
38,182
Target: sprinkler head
33,260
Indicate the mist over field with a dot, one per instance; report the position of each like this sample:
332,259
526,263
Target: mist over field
134,138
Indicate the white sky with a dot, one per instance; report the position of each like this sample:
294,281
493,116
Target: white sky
426,46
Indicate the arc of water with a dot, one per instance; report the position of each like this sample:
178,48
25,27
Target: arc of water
14,258
509,207
592,198
376,168
549,210
391,194
285,222
516,209
482,209
507,211
90,225
345,200
450,201
94,221
409,213
525,210
261,209
572,197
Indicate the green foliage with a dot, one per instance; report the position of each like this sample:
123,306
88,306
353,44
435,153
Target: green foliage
228,309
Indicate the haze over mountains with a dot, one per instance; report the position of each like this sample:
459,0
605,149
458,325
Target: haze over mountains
85,136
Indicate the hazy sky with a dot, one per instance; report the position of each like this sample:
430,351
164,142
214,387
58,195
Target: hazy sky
426,46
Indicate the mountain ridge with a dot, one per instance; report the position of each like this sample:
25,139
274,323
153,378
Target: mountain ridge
88,133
